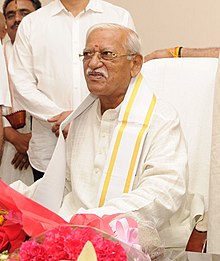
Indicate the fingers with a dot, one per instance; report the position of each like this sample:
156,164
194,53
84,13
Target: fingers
56,125
58,119
65,131
20,161
26,164
55,128
57,133
54,119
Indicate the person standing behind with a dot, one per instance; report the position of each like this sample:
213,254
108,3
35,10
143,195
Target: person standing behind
5,99
2,27
2,84
15,11
46,69
15,164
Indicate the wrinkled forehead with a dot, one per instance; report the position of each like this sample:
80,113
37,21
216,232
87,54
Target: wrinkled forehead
20,4
106,38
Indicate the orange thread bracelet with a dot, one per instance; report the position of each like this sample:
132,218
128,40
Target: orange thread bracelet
176,52
179,52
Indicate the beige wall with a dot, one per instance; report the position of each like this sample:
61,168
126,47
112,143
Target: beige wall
164,23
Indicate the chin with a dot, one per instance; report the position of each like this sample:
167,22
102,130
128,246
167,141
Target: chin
96,91
95,86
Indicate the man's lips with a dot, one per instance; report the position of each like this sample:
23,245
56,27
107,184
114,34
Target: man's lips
15,27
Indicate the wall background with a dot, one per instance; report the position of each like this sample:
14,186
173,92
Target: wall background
168,23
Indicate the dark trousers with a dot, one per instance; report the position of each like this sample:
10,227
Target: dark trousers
37,174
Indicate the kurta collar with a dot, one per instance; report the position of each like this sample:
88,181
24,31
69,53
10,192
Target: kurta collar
57,7
95,6
109,115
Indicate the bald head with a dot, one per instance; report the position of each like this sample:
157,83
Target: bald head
132,43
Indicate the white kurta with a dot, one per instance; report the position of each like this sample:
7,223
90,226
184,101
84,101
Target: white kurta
46,68
160,183
4,93
7,171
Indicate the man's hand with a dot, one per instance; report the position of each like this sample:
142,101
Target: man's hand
19,140
164,53
20,161
57,120
21,143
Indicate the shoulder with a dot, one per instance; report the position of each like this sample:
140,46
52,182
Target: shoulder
40,14
113,13
34,22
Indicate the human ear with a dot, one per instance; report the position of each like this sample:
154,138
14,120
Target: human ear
136,65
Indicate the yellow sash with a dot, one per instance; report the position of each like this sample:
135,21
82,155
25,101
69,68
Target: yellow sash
127,141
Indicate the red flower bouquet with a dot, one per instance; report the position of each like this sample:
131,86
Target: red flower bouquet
67,243
11,229
51,238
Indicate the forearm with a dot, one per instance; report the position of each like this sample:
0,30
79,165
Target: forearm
212,52
36,103
200,52
10,135
19,140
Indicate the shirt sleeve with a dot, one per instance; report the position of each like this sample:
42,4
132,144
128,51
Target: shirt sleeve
23,76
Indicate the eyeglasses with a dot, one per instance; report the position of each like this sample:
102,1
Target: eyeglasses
105,55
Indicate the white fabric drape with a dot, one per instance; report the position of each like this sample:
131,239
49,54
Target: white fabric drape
214,194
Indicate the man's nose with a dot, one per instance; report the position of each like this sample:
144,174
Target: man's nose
18,16
95,61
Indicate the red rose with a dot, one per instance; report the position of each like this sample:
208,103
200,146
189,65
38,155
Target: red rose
4,241
11,236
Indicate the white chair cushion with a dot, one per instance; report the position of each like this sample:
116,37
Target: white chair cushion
188,84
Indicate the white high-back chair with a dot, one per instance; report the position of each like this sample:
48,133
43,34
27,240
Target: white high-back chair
188,84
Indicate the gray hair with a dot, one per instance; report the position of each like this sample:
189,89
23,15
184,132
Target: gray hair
133,43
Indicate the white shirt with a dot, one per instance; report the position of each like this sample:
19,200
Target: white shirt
46,69
7,171
160,183
4,93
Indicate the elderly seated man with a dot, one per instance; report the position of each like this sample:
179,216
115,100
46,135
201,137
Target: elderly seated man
125,150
